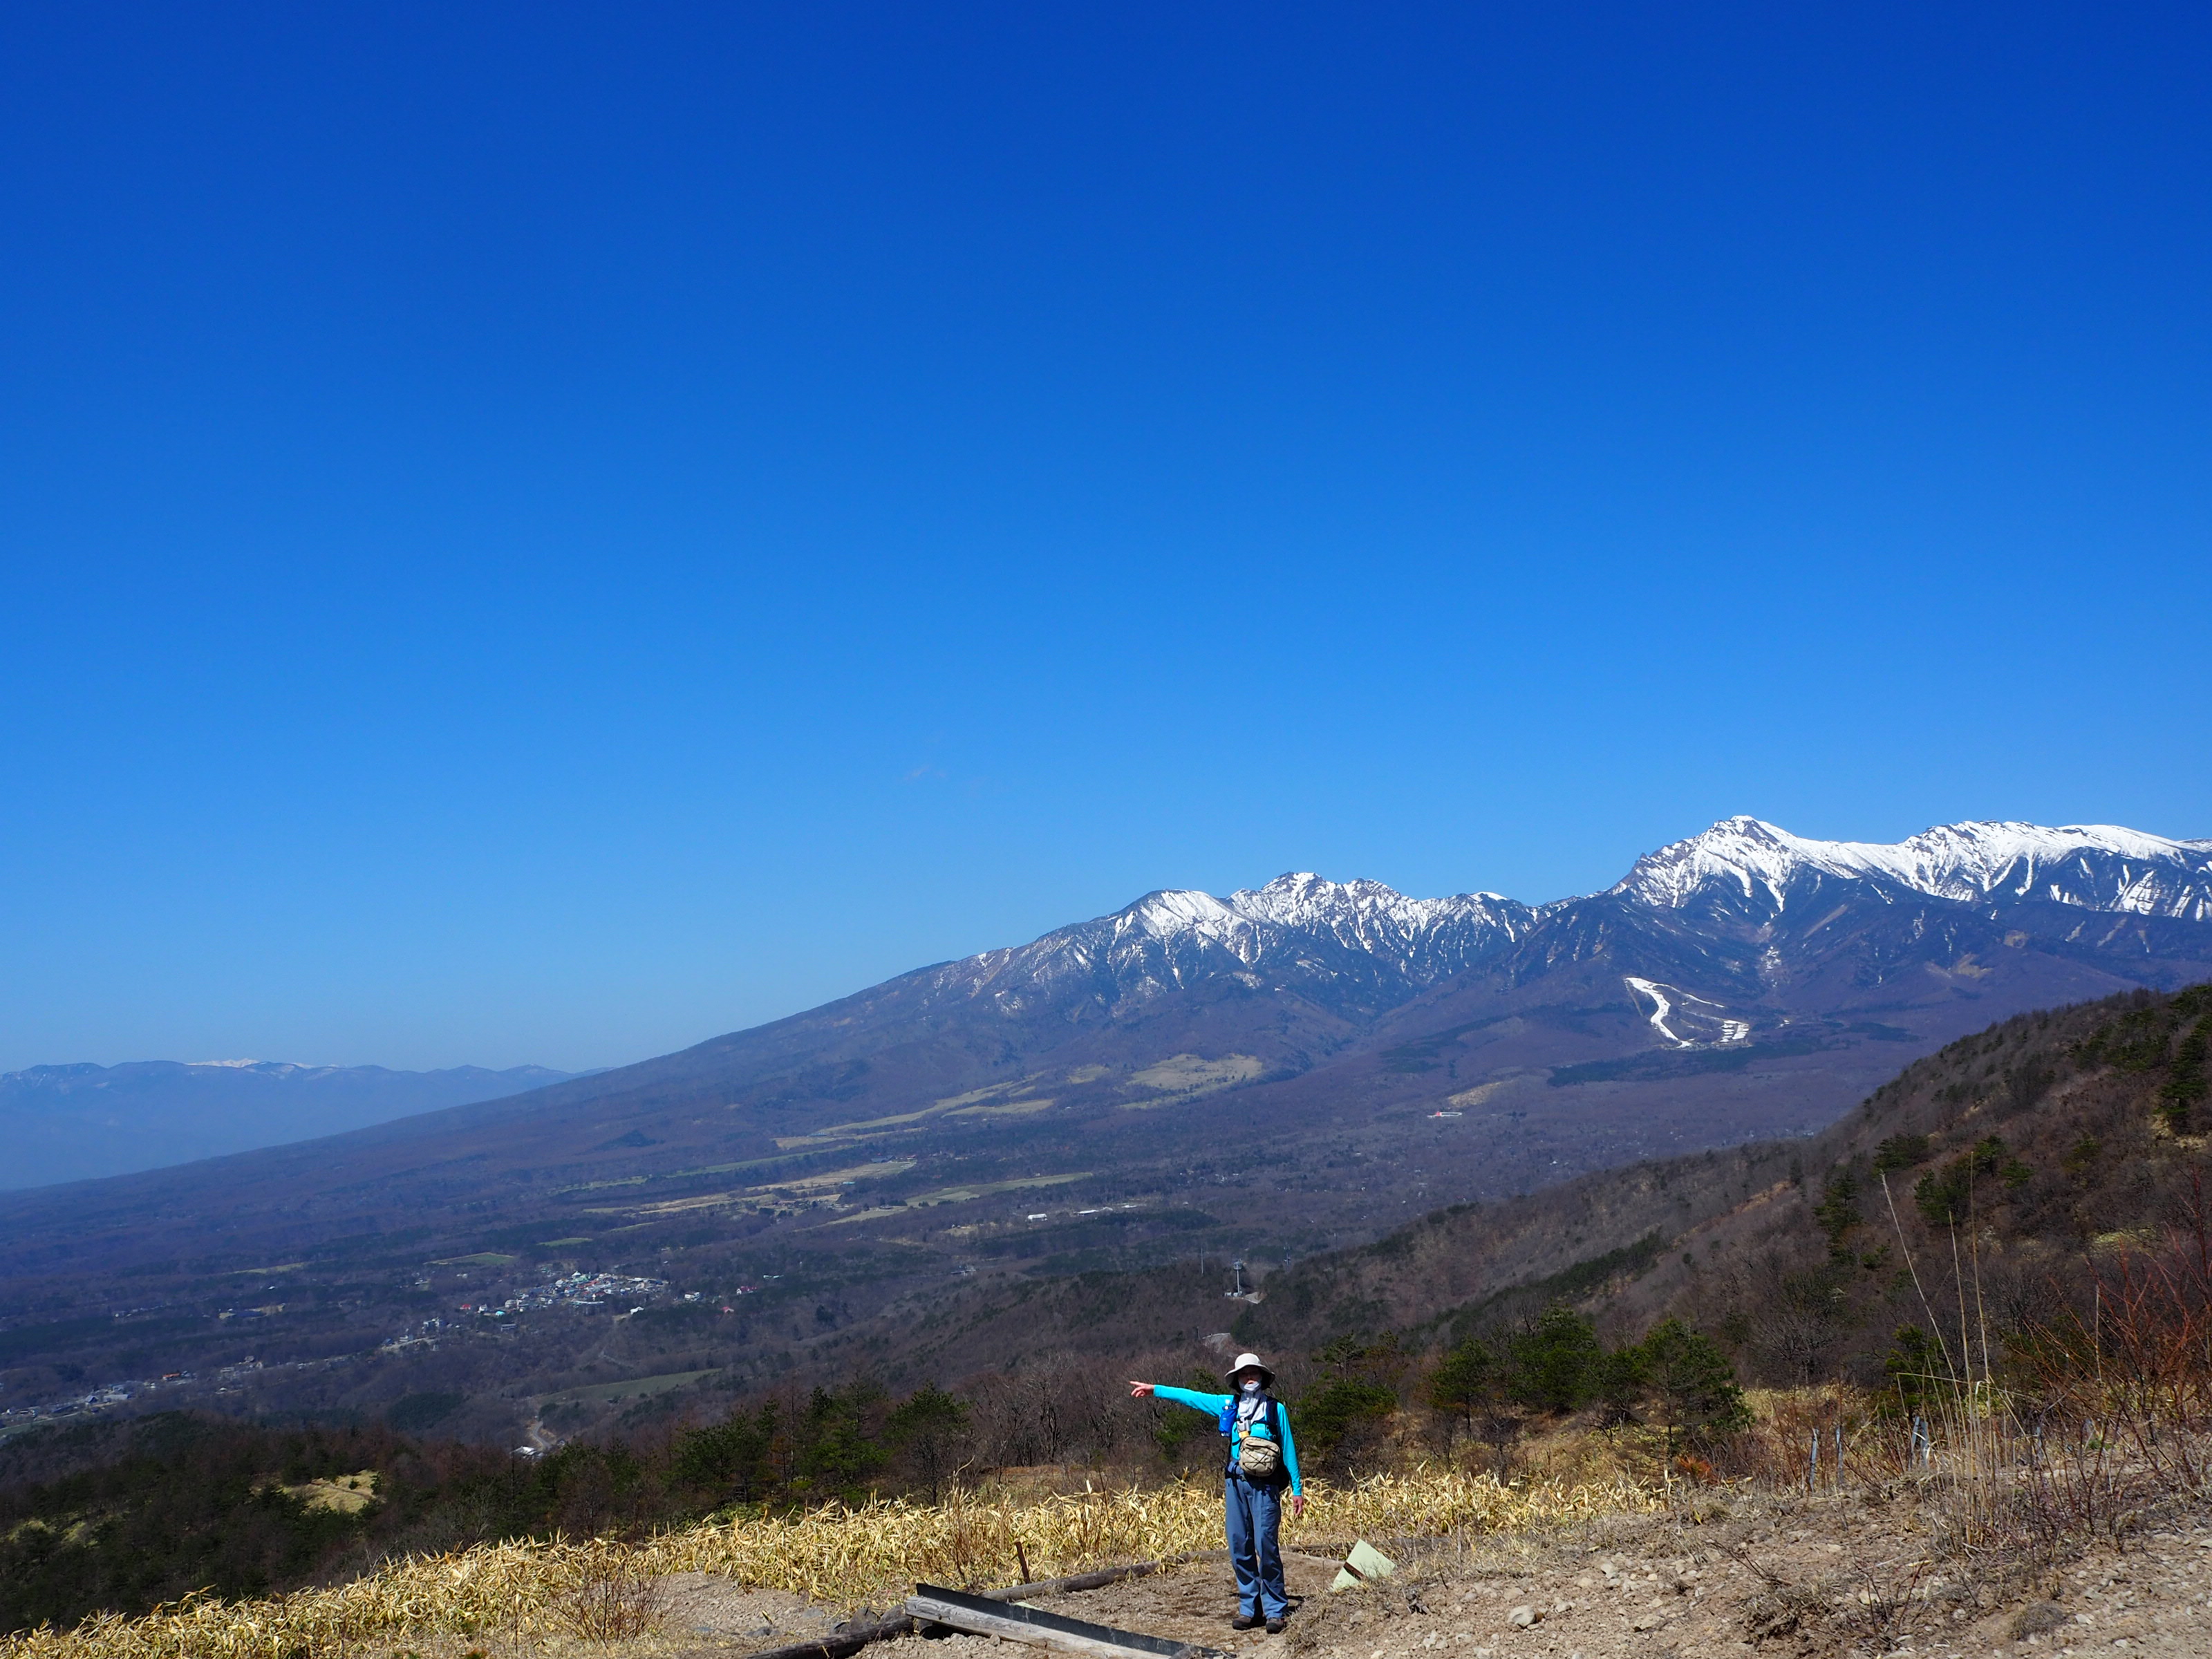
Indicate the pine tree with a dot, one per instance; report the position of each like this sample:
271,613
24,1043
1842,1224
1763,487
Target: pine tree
1695,1385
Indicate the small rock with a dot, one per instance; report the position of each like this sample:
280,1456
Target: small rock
1524,1615
2035,1618
1650,1621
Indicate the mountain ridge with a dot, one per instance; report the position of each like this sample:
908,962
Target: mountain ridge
1971,862
1295,970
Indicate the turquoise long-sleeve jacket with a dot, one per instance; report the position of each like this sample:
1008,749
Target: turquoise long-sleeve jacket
1214,1404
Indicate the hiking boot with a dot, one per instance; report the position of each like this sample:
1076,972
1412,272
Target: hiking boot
1245,1621
1275,1625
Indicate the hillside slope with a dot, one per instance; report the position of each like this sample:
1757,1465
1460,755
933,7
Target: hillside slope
2049,1138
2045,1142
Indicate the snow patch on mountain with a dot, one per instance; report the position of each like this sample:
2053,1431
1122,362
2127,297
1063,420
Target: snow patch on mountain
1377,946
1298,927
1685,1020
2095,866
1368,915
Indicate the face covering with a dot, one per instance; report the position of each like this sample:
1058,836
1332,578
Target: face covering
1251,1385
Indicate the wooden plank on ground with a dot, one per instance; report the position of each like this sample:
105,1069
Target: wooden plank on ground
981,1616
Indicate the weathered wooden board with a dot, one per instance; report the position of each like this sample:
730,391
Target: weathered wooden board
981,1616
847,1640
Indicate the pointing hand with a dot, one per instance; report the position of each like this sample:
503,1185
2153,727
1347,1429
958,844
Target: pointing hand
1138,1390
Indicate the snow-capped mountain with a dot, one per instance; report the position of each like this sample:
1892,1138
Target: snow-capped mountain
1356,945
1745,862
1299,930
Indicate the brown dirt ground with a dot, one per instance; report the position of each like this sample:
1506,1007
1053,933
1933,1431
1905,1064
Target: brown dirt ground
1790,1579
1783,1580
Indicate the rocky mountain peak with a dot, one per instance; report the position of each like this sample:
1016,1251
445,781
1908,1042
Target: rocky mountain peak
1745,860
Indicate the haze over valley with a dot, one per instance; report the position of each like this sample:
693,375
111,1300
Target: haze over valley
75,1123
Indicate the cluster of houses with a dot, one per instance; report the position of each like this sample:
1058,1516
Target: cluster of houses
625,1292
110,1395
577,1290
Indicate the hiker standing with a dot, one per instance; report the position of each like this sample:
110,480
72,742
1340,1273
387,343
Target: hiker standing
1263,1460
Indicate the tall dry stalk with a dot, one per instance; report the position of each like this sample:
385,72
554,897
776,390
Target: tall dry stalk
617,1596
2066,1430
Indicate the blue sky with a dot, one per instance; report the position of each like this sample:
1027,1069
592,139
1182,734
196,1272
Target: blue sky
546,532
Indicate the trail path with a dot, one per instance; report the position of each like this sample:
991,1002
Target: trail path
1656,1589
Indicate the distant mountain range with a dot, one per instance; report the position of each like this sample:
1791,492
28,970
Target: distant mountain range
73,1122
1359,946
1757,871
1297,1067
1743,943
1740,946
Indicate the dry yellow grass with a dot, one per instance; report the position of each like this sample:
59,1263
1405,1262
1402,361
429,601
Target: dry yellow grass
521,1592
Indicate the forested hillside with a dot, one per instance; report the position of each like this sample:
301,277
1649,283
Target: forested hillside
2013,1159
2041,1145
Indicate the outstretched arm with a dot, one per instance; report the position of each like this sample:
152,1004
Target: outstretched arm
1211,1404
1291,1460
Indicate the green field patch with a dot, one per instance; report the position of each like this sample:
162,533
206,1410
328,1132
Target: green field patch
837,1140
741,1164
638,1388
904,1122
1009,1109
984,1189
595,1186
862,1128
813,1146
804,1188
561,1243
882,1170
481,1259
960,1195
1180,1077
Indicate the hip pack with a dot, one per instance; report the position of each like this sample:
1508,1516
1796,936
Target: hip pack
1251,1455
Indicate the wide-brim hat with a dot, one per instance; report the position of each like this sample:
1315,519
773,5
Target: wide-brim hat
1252,1362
